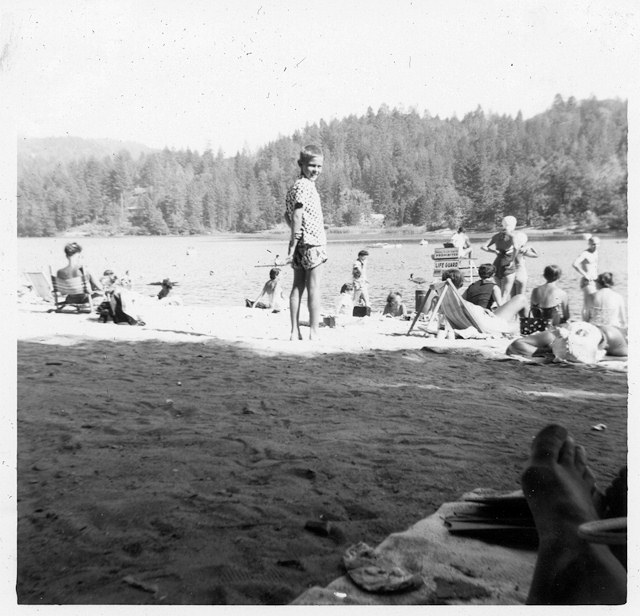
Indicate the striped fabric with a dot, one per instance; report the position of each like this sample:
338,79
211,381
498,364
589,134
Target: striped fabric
71,286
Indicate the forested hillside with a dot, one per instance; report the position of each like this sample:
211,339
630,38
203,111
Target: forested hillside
565,166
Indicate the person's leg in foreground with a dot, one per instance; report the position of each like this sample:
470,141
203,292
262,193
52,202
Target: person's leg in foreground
297,289
560,489
313,299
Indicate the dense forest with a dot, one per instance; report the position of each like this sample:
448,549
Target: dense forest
566,166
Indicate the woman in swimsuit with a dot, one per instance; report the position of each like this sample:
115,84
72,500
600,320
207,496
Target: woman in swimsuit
549,301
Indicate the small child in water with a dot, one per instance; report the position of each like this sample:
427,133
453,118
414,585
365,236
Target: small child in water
394,306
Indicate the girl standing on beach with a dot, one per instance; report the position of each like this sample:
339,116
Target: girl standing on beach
308,244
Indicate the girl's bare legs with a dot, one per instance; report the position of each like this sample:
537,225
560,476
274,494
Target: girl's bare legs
313,299
299,280
506,284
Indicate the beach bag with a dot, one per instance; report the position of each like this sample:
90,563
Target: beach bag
361,311
530,324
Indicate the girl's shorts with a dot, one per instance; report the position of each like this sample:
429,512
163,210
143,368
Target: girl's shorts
307,257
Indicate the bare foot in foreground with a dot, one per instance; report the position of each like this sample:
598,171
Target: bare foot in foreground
560,489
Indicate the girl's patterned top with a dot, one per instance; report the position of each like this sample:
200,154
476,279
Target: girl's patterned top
304,192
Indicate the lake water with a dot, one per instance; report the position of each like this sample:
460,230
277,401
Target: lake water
223,271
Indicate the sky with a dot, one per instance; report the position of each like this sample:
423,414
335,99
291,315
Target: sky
229,75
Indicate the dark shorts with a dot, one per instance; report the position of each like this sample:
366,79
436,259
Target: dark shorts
307,257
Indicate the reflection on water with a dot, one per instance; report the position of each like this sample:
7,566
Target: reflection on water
213,271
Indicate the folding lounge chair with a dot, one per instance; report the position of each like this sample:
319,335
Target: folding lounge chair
444,300
41,284
71,293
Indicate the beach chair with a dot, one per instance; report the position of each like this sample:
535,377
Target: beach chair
41,284
443,301
72,293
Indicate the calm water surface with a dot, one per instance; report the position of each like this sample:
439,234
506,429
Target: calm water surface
214,271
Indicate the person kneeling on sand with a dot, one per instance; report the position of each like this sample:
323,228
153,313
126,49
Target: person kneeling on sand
561,491
394,306
271,292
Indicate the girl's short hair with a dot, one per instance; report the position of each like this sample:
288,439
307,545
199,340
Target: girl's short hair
605,280
273,273
552,273
455,276
308,152
486,270
346,287
72,249
392,295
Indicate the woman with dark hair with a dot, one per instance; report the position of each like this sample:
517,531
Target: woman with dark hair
484,292
549,301
606,306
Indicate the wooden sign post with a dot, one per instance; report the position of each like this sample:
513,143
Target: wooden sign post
449,258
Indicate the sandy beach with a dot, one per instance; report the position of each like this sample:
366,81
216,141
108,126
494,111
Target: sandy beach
182,462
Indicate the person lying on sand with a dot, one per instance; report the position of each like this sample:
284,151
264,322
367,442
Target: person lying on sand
561,492
579,342
395,306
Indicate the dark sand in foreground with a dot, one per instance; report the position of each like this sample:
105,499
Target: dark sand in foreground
184,473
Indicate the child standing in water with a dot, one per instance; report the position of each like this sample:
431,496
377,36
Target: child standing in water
308,244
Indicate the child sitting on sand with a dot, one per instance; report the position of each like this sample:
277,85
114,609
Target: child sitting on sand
394,306
344,303
271,292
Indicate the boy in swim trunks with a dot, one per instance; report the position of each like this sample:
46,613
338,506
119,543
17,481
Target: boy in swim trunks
308,244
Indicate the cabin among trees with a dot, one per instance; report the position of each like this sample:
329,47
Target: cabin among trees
566,166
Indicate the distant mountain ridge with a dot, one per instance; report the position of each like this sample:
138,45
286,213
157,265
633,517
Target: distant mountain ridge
64,149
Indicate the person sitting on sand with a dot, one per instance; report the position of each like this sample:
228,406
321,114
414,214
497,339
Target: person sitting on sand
580,342
605,306
394,306
271,292
561,492
108,281
549,301
344,303
75,268
484,292
499,320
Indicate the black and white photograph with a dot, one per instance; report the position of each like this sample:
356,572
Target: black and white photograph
317,304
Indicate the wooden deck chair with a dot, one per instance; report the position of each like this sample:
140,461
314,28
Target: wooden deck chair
71,293
40,284
448,304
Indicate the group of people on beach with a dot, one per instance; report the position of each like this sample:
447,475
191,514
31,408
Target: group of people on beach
113,294
558,484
